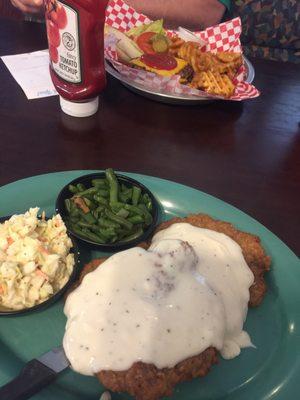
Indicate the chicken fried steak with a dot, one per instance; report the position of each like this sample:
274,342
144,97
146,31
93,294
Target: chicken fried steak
145,381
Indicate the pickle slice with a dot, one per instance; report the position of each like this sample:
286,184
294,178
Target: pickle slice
160,43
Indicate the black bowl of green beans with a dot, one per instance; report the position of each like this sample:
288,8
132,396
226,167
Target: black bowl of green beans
107,210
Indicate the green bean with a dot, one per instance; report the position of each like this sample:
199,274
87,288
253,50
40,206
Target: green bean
100,208
91,190
107,233
136,219
95,214
148,219
75,228
80,187
119,220
91,205
68,205
106,223
85,224
136,194
74,210
99,183
87,196
115,207
147,201
98,211
113,185
74,219
88,217
103,193
87,235
121,232
122,213
134,235
94,237
87,201
147,215
125,195
127,190
142,207
133,209
72,189
145,198
101,200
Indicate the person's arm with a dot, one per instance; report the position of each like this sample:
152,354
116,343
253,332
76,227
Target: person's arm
29,6
193,14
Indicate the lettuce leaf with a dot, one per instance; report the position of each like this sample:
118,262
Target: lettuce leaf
155,26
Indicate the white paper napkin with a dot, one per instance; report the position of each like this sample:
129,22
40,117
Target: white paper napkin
31,71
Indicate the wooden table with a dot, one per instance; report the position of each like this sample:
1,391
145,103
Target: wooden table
247,154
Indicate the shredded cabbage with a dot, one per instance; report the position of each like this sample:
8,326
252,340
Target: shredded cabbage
35,259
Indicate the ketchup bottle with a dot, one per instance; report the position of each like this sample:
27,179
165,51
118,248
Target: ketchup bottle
75,31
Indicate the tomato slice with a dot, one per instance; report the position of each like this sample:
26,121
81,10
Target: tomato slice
144,42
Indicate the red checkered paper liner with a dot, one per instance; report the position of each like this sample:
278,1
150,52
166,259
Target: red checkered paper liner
222,37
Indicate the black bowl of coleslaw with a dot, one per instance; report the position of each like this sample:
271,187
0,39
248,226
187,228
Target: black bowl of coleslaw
5,311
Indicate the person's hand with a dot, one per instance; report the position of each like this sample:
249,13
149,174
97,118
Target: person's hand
29,6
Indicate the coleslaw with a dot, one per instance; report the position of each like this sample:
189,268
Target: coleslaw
35,259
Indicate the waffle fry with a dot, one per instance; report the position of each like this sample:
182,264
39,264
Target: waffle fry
228,62
213,83
229,57
175,44
213,72
200,61
190,52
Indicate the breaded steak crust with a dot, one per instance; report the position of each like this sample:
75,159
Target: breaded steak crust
145,381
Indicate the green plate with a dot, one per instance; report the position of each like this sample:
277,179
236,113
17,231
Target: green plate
272,371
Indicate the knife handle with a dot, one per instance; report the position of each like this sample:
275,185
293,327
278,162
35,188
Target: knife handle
33,377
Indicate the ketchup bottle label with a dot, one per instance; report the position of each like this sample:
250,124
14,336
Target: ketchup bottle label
63,38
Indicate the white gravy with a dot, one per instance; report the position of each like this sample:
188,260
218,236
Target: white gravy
188,292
